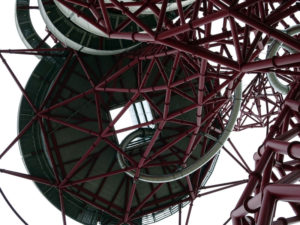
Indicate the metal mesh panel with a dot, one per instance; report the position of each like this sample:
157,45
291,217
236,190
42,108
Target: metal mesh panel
162,214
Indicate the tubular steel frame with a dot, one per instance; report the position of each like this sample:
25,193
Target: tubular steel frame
226,57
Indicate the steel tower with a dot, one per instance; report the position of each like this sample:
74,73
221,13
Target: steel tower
123,118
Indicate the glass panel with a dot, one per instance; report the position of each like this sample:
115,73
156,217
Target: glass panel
132,116
148,112
126,120
140,112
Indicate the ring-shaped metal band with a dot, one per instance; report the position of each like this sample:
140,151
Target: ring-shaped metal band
197,164
273,49
289,149
71,41
246,206
25,27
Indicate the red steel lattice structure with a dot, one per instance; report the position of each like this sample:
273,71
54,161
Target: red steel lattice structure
192,52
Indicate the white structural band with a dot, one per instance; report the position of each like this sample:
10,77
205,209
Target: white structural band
72,44
79,21
197,164
84,24
25,28
274,48
24,40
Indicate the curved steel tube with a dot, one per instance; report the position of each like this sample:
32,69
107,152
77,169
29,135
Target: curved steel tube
197,164
12,208
274,47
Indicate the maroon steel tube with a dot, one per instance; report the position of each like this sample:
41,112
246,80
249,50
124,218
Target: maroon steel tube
271,63
294,105
62,206
29,177
275,192
292,149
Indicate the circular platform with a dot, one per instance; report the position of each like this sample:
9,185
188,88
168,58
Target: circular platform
75,140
